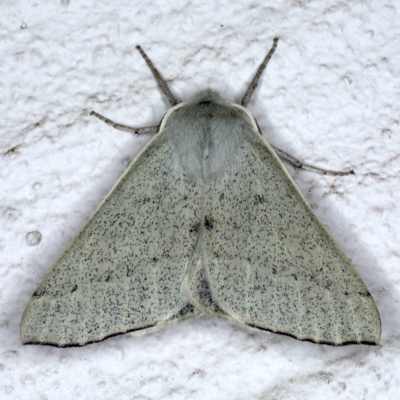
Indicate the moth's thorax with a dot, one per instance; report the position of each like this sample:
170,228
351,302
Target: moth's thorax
207,133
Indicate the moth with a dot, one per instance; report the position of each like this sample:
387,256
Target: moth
205,220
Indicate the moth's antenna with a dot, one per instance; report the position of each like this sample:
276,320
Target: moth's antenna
254,82
161,82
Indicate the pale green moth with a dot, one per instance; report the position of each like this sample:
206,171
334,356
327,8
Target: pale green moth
204,220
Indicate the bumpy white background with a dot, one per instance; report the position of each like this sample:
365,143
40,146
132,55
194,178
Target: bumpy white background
330,97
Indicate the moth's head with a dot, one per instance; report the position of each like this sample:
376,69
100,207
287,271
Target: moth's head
208,96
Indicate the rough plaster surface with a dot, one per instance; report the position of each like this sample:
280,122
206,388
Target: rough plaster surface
329,97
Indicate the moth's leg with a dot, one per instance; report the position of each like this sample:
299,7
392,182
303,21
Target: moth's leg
299,164
125,128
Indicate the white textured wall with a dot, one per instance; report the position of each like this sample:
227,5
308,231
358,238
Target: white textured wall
330,97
